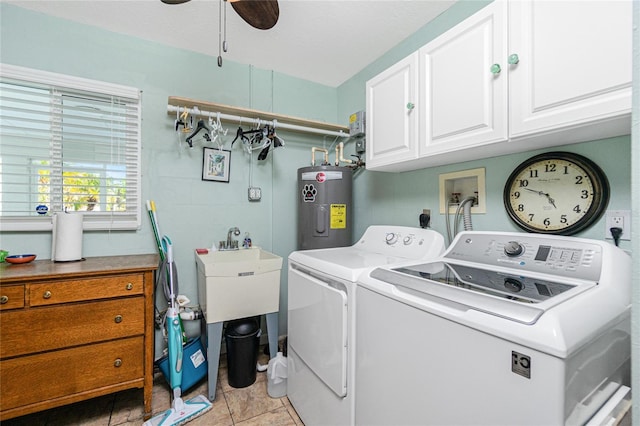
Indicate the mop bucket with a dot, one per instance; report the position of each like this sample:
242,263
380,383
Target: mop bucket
194,364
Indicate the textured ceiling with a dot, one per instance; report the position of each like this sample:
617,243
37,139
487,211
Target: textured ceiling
324,41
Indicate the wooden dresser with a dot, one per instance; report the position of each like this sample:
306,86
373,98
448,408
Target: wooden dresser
74,331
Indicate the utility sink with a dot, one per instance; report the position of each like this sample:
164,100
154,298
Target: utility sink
238,283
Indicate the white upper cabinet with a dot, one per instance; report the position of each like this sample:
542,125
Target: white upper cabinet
462,102
392,114
574,63
516,76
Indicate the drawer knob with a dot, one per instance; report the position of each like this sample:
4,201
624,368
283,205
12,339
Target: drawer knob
117,362
514,59
495,69
129,286
410,106
47,294
118,319
4,299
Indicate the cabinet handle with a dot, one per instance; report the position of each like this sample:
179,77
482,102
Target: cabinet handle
117,362
129,286
495,69
410,106
47,294
118,319
513,59
4,299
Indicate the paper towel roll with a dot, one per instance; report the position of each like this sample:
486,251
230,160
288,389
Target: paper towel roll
67,237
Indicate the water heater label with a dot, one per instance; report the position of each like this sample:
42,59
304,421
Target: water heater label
321,176
338,216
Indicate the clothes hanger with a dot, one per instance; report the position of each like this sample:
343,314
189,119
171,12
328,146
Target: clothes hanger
277,140
181,120
273,139
178,122
199,127
240,134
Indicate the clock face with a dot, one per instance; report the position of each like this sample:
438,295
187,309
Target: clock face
556,193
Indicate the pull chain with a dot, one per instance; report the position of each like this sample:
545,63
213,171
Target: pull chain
224,42
220,33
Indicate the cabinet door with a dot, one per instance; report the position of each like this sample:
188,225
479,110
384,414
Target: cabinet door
392,114
463,102
574,63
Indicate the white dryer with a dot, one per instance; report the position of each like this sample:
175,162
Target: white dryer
321,317
503,329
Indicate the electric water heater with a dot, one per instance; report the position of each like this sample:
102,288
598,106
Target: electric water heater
324,207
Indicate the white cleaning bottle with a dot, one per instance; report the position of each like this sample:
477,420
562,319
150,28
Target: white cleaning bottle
277,376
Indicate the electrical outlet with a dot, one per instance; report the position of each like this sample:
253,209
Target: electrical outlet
255,193
618,219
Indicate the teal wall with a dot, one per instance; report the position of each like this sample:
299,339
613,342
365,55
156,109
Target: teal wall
196,213
351,94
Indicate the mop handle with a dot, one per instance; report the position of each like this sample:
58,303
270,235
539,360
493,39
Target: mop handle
151,208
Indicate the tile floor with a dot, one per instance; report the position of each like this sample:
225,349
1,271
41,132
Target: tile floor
250,406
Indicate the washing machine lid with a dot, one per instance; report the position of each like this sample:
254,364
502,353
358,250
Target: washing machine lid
500,292
380,245
346,263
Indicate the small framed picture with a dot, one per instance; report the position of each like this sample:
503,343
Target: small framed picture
216,164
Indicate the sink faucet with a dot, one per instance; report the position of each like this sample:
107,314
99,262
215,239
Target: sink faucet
231,243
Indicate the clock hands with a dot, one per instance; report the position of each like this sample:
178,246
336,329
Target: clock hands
551,200
537,192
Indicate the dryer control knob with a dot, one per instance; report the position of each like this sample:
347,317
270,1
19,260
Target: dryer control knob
408,240
513,249
392,238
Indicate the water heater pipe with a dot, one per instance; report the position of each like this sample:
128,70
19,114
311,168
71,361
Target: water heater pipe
313,155
340,155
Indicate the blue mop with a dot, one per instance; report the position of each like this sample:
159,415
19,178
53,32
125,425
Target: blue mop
181,411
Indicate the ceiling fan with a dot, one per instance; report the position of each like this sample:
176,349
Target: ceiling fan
261,14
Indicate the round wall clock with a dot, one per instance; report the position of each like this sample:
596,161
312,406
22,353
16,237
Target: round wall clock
556,193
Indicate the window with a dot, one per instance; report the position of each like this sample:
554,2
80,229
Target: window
68,144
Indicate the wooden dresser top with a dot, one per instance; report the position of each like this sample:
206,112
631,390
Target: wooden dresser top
91,266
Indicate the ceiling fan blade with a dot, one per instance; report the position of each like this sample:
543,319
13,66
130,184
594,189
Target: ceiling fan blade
261,14
174,1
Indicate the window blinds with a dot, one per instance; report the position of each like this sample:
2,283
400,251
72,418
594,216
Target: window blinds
68,144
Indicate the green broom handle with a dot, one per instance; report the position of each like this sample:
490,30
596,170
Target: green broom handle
154,225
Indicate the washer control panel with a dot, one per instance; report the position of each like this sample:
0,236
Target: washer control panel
558,255
402,241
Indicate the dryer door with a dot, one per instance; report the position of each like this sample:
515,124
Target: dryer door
318,326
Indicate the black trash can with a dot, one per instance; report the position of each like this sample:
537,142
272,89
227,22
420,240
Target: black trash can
243,340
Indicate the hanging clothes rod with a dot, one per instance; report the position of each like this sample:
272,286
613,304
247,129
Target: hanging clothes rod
256,121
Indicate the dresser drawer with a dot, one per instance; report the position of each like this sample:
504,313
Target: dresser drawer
11,297
34,378
41,329
56,292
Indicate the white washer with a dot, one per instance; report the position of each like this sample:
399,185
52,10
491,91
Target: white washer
322,306
503,329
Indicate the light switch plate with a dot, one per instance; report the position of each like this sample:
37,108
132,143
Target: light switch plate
255,194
